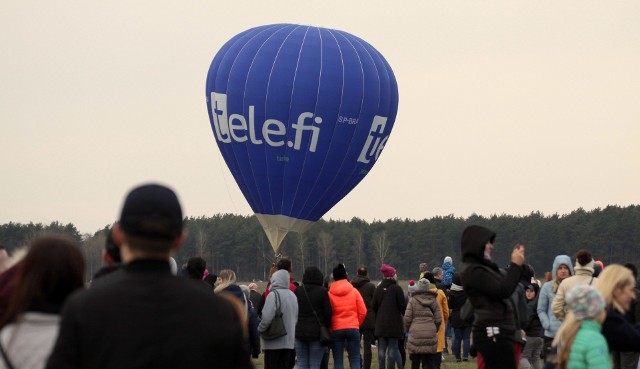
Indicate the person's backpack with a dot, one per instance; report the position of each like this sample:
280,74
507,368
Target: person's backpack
466,312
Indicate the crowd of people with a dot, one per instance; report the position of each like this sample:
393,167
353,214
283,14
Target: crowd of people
142,310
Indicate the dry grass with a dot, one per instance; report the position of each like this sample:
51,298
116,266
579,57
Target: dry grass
449,363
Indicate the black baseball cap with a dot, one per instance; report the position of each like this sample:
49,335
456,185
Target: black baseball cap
152,211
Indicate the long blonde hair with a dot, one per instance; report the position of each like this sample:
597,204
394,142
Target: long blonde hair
228,277
612,278
564,340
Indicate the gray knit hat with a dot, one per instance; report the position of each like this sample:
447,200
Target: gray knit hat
423,285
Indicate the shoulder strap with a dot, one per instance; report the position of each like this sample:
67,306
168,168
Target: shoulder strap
433,311
6,358
310,304
277,300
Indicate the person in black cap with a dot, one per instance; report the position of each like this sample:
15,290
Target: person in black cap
149,318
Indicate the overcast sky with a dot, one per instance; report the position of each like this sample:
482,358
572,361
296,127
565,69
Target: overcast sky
505,106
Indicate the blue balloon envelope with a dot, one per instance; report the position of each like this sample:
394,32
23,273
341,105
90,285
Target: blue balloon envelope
300,114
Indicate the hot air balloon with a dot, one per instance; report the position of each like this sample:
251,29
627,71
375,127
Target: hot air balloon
300,115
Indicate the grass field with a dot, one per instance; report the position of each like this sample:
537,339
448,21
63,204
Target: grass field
448,363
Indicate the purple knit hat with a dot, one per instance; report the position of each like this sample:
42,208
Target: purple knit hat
387,271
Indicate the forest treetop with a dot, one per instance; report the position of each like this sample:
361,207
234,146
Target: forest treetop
229,241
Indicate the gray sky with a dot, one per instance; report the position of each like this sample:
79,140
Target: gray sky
505,106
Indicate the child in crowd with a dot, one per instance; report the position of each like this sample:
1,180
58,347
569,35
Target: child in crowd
530,357
579,341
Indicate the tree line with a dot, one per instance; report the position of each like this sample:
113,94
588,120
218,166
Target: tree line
229,241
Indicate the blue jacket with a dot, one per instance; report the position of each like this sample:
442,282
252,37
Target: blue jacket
549,321
448,270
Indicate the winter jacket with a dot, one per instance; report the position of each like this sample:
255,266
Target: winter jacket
533,328
589,349
457,298
448,270
256,299
254,336
347,305
366,289
619,333
105,274
444,310
28,343
312,296
389,305
149,318
584,275
422,319
487,289
545,299
288,307
521,312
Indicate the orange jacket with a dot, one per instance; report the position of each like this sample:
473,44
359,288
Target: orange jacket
347,304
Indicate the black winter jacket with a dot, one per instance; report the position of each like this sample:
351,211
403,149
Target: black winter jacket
366,289
307,328
148,318
488,290
389,306
620,334
456,300
533,328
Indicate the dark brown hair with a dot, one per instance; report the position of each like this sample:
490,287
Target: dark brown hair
52,269
285,264
583,257
362,271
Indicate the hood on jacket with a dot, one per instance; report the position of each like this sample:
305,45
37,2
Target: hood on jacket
312,275
387,282
341,287
359,281
559,260
425,298
280,280
586,268
474,239
235,290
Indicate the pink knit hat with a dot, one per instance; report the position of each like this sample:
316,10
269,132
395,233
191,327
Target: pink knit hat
387,271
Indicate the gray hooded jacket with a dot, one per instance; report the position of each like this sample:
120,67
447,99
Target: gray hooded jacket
289,308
